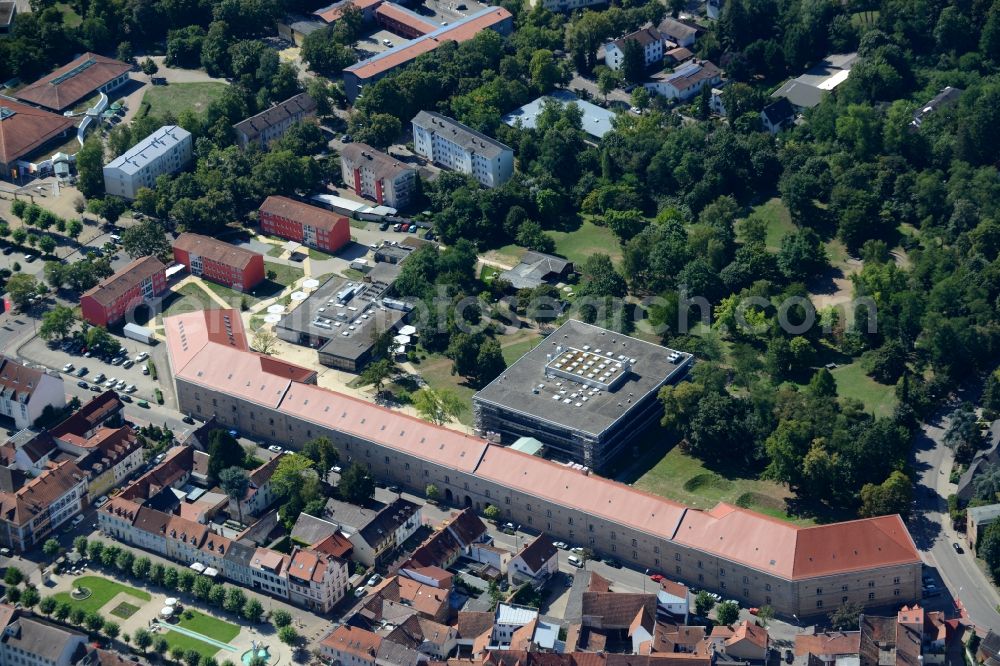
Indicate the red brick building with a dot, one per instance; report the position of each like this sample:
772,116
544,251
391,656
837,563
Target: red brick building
309,225
218,261
143,279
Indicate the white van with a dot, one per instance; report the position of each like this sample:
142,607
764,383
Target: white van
575,561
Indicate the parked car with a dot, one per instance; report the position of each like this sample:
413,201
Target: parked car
405,227
561,545
131,388
374,580
360,592
656,578
117,360
383,227
336,469
397,226
111,382
128,364
145,370
274,448
141,356
82,384
68,367
80,372
188,420
347,138
575,561
958,548
143,404
120,385
387,42
101,500
613,563
28,258
100,377
125,397
96,389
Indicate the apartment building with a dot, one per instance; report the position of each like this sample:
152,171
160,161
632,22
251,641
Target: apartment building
139,282
300,222
375,175
316,580
686,81
26,392
219,261
165,151
375,530
455,146
272,123
648,39
30,513
746,556
27,640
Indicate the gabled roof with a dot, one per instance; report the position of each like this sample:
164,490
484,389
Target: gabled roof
643,36
297,105
828,643
467,527
24,129
779,111
537,553
675,30
72,82
110,289
17,380
361,643
215,250
617,609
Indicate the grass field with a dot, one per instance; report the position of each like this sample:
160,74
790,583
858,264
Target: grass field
124,610
779,222
70,17
516,350
178,97
587,240
276,251
187,643
102,590
680,477
207,625
436,371
283,275
188,298
852,382
866,18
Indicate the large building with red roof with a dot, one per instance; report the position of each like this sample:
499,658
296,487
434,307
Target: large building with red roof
26,130
747,556
89,74
300,222
142,280
219,261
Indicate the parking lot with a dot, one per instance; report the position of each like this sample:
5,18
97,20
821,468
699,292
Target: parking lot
449,11
376,42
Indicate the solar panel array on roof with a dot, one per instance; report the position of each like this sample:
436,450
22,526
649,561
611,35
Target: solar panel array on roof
686,70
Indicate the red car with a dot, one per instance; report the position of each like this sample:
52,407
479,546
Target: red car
754,611
656,578
404,228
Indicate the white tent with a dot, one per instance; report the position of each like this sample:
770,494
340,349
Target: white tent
198,566
167,611
408,330
170,601
211,572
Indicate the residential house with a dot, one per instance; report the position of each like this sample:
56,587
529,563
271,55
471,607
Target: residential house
981,461
317,580
136,284
300,222
165,151
809,89
377,530
27,640
426,600
673,601
31,512
947,97
686,81
85,76
458,147
26,392
648,39
508,619
219,261
536,562
8,10
435,640
376,175
978,518
537,268
272,123
350,646
677,32
747,641
826,648
777,115
259,494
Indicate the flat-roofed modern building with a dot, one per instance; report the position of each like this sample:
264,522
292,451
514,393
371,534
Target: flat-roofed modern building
375,175
272,123
219,261
585,392
167,150
458,147
747,556
139,282
300,222
88,74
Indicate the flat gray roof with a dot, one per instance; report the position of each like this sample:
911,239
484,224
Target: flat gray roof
529,387
156,144
990,512
327,315
596,121
463,135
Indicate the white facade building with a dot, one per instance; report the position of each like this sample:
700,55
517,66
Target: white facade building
455,146
377,176
26,392
648,38
686,81
167,150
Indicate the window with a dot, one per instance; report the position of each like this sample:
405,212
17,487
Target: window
767,600
767,587
871,595
678,570
746,592
548,513
871,583
387,460
722,585
656,549
895,581
699,566
819,604
677,556
407,466
843,600
843,588
819,591
634,543
506,500
895,592
570,520
590,527
722,572
614,548
527,507
701,578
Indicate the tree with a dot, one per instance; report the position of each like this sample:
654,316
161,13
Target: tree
281,618
225,452
892,496
601,279
845,618
110,208
291,474
47,244
489,364
77,616
378,129
235,600
704,602
141,567
545,72
111,629
185,580
80,545
963,435
252,610
356,484
322,452
439,406
145,239
727,612
633,67
607,80
94,549
47,606
101,342
94,621
63,610
641,98
30,597
765,614
90,167
74,228
202,587
235,483
217,595
192,657
124,560
13,576
377,373
288,635
802,255
822,384
156,573
264,341
51,547
432,493
491,512
21,288
149,68
161,646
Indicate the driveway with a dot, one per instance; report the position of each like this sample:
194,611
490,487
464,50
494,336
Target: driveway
934,536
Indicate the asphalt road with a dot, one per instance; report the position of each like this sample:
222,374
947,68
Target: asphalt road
932,532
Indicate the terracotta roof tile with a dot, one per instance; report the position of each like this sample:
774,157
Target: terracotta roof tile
215,250
24,129
73,81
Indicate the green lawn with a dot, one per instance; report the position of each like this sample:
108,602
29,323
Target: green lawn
516,350
178,97
685,479
588,239
186,643
283,275
276,251
266,289
779,222
852,382
124,610
865,18
188,298
207,625
436,371
102,591
508,254
70,17
318,255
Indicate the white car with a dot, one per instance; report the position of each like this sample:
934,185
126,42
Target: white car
374,580
561,545
336,469
274,448
99,378
101,500
387,42
141,356
130,388
77,520
69,367
145,370
111,382
120,385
